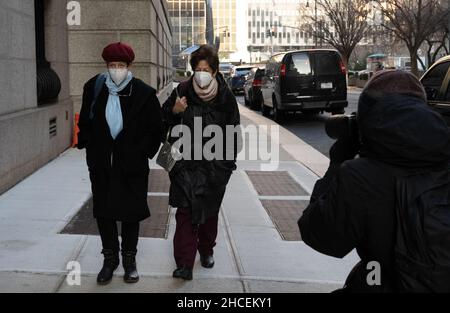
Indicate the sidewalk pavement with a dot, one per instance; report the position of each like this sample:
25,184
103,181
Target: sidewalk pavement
251,255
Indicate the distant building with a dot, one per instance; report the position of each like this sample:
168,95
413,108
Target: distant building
190,26
274,26
188,20
224,17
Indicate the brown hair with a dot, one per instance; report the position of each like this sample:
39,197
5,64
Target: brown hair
208,54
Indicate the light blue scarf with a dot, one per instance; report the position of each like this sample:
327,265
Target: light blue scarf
113,110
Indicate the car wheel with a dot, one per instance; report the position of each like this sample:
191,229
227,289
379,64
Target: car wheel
265,110
277,114
251,101
247,103
311,112
338,112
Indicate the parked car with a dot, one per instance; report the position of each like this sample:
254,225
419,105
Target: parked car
310,81
437,86
225,69
252,88
237,79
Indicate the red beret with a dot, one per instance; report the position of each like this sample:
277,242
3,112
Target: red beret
118,52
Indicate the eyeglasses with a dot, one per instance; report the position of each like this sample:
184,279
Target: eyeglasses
117,66
128,95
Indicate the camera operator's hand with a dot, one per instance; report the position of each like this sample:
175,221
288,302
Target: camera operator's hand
344,149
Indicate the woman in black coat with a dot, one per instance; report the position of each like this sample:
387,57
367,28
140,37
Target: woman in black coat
198,183
121,128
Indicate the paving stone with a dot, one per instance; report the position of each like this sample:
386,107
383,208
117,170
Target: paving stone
275,184
83,223
285,214
158,181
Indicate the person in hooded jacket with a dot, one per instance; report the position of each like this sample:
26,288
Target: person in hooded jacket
353,206
198,184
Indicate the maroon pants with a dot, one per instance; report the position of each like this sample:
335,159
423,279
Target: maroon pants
188,239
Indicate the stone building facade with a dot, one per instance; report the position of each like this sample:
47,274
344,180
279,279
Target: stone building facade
45,62
143,24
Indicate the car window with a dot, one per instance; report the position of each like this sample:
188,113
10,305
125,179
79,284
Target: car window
433,80
242,71
299,64
259,74
447,94
327,63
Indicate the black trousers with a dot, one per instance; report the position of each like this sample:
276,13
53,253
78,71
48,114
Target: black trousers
110,235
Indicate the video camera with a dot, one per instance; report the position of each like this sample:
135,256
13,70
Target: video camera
342,126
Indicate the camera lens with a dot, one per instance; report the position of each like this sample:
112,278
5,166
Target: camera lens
337,126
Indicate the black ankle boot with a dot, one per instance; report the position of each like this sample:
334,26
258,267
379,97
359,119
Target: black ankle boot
110,264
129,265
183,272
207,261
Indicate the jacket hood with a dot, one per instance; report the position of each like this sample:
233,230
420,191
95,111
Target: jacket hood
397,125
402,130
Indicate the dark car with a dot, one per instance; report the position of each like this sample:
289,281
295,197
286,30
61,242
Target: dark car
252,88
310,81
437,86
237,79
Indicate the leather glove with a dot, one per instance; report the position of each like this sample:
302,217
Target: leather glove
344,149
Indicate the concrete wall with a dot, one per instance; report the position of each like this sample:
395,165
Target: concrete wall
143,24
25,141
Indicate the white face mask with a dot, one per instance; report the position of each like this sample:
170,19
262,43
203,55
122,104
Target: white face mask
203,79
118,75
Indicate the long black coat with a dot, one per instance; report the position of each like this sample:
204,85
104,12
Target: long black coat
200,184
119,168
353,206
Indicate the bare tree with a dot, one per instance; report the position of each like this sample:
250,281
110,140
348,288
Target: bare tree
437,43
341,24
413,21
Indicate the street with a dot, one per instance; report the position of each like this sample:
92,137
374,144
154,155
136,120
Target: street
311,129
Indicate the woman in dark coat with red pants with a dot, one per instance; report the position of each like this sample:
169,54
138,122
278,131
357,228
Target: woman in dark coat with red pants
198,184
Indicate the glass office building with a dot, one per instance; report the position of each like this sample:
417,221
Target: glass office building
224,13
188,18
